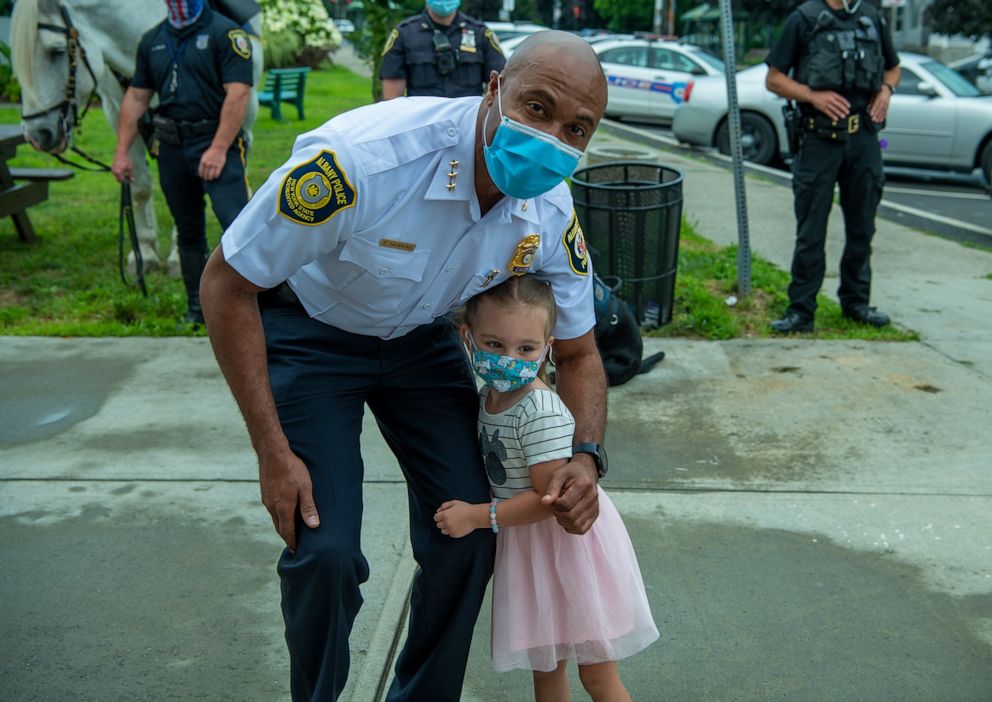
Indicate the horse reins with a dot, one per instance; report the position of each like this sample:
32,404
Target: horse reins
127,217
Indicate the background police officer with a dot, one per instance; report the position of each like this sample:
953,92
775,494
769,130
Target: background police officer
199,63
844,70
440,52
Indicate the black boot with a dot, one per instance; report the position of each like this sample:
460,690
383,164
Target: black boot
193,260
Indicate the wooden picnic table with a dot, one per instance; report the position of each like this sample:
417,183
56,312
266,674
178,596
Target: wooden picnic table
16,197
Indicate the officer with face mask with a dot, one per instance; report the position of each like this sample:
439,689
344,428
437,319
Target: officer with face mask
199,64
332,291
441,52
836,59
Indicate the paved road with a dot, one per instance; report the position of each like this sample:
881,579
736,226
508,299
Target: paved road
953,205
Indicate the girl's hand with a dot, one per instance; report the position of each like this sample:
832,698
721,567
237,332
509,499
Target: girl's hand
456,518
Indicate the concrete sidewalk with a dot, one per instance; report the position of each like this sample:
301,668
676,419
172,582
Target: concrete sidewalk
811,517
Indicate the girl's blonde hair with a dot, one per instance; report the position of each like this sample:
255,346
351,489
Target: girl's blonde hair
518,289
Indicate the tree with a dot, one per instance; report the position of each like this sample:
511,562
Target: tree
381,16
972,18
626,15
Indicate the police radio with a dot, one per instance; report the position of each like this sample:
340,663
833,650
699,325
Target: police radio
444,54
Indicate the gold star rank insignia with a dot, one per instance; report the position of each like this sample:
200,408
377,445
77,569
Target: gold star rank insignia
523,257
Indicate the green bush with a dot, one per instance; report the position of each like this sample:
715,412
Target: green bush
10,89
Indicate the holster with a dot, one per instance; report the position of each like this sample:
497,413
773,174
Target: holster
167,130
793,126
146,128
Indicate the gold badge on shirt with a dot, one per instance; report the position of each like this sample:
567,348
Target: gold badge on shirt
468,40
523,257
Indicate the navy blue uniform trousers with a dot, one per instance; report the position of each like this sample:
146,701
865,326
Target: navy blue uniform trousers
184,189
856,166
423,395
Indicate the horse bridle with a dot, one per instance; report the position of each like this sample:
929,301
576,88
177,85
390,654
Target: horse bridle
68,109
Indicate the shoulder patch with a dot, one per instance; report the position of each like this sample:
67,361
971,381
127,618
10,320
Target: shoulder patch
575,246
390,40
493,40
240,43
315,191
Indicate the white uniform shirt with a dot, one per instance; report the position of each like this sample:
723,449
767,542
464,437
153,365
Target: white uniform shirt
375,224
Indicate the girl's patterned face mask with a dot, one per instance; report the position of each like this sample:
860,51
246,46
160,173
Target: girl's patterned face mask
504,373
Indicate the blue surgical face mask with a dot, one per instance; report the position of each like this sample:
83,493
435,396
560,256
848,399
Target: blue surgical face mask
443,8
525,162
504,373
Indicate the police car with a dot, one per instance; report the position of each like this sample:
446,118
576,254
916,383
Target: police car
649,78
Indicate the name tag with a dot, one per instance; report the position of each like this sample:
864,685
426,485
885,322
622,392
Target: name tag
393,244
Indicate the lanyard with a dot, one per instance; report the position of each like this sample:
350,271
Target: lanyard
177,54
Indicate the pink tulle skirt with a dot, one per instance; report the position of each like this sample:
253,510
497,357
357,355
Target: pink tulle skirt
558,596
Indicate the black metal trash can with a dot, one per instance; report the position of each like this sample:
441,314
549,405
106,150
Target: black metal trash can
631,215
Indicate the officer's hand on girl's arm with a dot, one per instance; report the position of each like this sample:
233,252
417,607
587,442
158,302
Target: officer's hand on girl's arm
286,489
572,493
457,519
212,163
833,105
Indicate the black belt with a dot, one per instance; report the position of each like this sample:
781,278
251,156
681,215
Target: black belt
828,128
172,131
281,295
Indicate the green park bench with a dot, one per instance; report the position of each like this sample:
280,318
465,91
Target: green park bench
284,85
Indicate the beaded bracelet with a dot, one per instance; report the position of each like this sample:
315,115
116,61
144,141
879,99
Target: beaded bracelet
492,515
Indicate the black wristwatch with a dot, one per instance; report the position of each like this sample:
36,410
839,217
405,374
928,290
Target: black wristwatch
599,455
892,88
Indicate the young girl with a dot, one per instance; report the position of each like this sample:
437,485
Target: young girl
556,596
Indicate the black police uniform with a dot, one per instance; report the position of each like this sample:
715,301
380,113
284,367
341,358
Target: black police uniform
830,49
452,61
188,69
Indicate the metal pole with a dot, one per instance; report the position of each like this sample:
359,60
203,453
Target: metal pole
658,15
734,120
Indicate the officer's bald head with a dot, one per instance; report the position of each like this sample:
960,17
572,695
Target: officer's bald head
552,49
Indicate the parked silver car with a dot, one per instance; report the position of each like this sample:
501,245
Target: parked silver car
937,119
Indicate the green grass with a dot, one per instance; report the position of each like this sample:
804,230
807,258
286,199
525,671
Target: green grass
707,276
68,283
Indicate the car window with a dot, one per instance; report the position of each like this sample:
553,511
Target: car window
665,60
707,57
952,80
908,82
627,55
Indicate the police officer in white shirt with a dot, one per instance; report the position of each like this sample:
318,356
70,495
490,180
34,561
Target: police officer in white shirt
331,290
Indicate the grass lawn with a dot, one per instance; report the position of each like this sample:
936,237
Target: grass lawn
68,283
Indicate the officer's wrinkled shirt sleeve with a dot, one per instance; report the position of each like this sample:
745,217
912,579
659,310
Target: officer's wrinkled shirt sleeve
276,234
562,266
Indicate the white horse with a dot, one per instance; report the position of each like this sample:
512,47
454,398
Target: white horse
108,32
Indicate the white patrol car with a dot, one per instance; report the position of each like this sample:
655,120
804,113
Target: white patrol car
649,78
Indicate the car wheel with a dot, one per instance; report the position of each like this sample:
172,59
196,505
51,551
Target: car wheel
757,138
987,163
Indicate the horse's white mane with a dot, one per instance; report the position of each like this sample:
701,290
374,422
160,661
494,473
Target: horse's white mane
24,26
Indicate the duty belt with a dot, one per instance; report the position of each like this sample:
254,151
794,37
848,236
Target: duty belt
173,132
833,128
